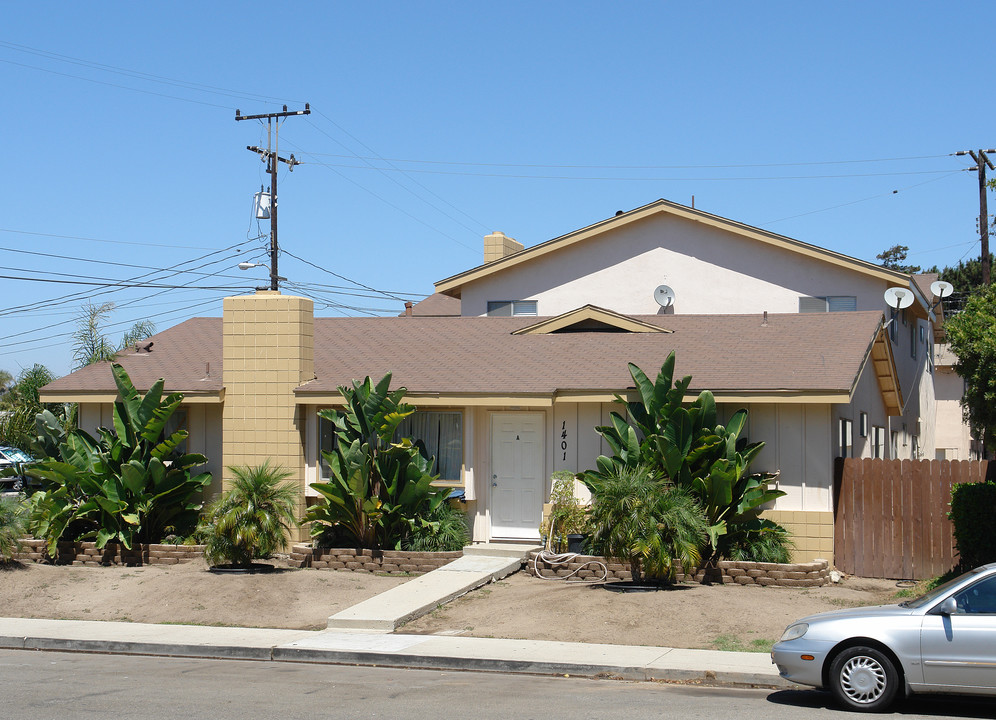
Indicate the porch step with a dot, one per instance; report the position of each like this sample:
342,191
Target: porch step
509,550
389,610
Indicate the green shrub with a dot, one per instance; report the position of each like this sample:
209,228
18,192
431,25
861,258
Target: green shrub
653,525
973,509
252,519
127,485
378,488
442,529
688,448
12,527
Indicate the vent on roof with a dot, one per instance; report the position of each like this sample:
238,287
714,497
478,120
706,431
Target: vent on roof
588,326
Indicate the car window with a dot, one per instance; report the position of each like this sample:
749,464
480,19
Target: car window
938,591
979,598
15,455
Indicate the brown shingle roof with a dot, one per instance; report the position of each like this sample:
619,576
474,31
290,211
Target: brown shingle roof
181,355
479,355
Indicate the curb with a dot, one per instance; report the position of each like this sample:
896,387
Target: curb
397,660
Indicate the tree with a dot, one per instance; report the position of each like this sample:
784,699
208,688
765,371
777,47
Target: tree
6,380
128,485
972,336
895,257
687,447
379,487
252,519
638,517
20,404
91,345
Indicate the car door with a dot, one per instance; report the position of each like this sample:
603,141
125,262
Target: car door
959,649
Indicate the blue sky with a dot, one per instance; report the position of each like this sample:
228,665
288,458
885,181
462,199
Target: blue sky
436,123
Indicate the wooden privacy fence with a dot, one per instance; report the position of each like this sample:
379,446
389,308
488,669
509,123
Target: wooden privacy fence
891,516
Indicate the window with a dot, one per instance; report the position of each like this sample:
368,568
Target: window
440,432
878,442
915,450
442,435
177,421
831,303
863,424
894,445
326,443
845,438
893,330
913,341
506,308
979,598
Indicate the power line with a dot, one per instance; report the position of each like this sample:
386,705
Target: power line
100,240
629,167
343,277
616,178
401,170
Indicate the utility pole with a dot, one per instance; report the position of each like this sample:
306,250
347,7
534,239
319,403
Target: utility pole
271,158
981,161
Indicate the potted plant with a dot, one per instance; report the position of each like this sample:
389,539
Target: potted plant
567,525
251,520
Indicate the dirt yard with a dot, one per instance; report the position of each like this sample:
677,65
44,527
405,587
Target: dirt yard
720,617
727,617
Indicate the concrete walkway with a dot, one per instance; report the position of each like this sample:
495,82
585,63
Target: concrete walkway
434,652
386,612
360,635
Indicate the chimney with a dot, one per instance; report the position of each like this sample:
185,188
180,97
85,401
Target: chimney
408,308
498,245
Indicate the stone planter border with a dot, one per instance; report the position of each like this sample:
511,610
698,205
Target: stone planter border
391,562
87,553
812,574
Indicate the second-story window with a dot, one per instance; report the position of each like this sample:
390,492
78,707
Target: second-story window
506,308
830,303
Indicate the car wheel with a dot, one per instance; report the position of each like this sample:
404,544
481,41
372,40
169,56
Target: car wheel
18,484
863,679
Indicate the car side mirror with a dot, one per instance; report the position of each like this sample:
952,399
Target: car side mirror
948,607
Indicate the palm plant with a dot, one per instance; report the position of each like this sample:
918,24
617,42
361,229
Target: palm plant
640,518
252,519
12,528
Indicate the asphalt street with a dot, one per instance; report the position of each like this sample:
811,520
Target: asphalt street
44,685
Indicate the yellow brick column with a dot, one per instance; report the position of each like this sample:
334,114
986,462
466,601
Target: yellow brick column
269,342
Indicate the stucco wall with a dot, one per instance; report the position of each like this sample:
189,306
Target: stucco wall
710,270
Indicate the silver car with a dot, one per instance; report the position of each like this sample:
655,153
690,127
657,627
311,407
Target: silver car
941,642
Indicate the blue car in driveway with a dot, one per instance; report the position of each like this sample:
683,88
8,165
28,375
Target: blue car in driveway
941,642
11,460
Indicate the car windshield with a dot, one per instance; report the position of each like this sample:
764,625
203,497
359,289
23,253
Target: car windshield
14,455
938,591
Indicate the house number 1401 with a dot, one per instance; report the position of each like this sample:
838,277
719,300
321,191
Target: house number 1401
563,438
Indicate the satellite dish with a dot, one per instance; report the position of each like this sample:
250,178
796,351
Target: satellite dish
941,289
898,298
664,296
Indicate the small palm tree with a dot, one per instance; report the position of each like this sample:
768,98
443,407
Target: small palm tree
12,528
652,524
252,519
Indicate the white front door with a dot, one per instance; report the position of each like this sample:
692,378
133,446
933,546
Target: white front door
517,481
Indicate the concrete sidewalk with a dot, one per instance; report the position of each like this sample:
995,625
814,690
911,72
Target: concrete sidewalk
434,652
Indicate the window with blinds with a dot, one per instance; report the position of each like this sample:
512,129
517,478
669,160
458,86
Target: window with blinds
830,303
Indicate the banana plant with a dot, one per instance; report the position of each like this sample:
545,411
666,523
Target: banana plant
378,487
128,485
687,448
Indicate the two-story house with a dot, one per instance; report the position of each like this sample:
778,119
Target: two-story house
512,364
